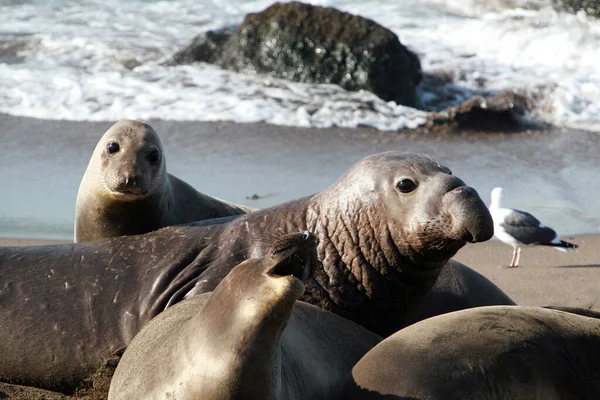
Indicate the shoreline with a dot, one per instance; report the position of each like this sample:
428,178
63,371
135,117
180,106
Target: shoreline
45,160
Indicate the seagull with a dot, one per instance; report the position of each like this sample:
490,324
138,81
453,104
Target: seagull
517,228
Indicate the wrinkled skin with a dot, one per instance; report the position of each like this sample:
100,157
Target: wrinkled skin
126,189
379,251
263,347
487,353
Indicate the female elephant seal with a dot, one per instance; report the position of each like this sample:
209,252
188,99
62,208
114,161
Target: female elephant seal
126,189
494,353
385,230
233,343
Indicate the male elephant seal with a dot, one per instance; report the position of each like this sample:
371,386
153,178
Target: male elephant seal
126,189
233,343
385,230
457,288
495,353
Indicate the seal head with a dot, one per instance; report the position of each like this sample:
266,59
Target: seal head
131,158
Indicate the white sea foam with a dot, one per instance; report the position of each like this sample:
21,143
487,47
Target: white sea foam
93,60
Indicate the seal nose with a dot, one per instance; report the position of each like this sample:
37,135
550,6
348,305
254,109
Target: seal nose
131,183
472,219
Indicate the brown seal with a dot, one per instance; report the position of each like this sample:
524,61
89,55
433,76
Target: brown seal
498,352
385,230
457,288
126,189
234,343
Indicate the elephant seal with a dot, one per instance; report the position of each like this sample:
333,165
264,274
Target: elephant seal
233,343
497,352
385,230
457,288
126,189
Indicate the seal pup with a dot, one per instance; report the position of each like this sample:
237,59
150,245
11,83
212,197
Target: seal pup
233,343
495,353
126,189
385,230
517,228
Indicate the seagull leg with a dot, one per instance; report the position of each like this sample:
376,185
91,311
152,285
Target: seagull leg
515,258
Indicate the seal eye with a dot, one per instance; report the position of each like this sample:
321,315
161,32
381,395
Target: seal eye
406,186
112,147
153,157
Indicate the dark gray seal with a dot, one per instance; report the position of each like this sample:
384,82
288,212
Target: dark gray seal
385,230
457,288
495,353
126,189
234,343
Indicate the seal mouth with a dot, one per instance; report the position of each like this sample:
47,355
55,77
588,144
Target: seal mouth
295,256
125,194
294,265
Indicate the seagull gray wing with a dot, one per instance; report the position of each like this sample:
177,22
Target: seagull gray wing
526,228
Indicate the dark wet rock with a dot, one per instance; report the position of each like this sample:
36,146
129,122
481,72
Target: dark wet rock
502,112
206,47
305,43
438,90
591,7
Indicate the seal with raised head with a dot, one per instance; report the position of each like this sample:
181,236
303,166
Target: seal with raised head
233,343
497,352
385,230
126,189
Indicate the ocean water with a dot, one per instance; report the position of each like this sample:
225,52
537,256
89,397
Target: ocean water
94,60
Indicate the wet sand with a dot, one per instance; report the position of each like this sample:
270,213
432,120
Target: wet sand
551,173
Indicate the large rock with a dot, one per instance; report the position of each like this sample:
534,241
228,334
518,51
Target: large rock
306,43
591,7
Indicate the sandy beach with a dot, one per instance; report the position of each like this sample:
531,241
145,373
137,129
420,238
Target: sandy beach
41,172
234,161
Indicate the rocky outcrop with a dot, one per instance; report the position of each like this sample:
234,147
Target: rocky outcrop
591,7
312,44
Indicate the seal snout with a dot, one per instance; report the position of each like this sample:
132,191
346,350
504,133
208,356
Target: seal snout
472,220
132,184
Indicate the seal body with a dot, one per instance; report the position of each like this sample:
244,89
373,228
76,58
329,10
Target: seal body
233,343
385,230
498,352
126,189
457,288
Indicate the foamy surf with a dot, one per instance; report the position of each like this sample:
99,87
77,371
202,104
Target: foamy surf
101,61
